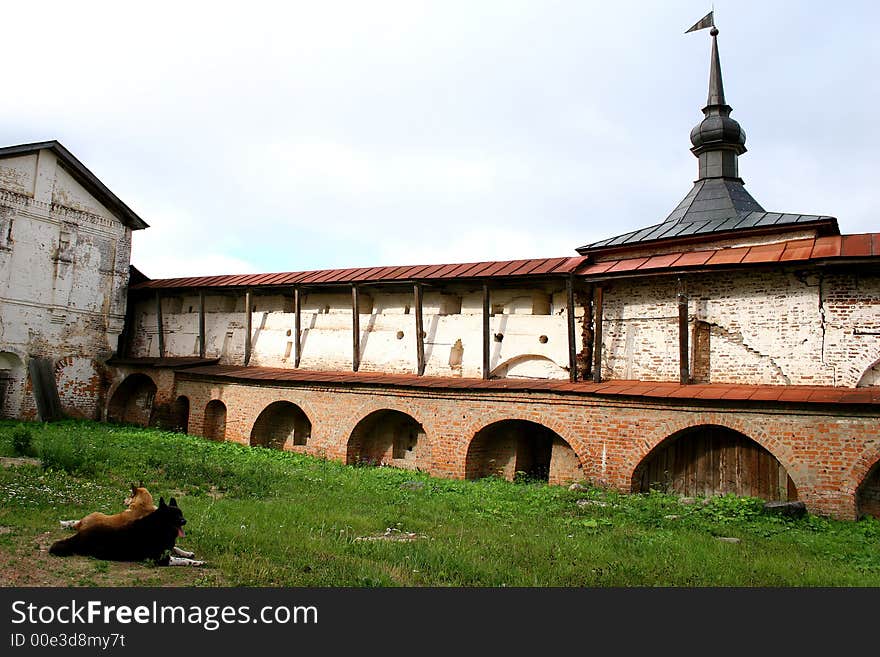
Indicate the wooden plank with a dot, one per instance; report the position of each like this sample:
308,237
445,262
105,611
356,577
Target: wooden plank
159,324
420,340
355,330
597,336
572,349
248,321
485,330
202,348
782,486
297,326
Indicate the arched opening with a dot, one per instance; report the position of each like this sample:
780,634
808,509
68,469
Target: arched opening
529,366
871,377
389,438
521,449
132,403
281,425
868,494
214,427
713,460
12,384
180,415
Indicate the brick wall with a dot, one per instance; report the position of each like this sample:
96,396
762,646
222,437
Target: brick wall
785,327
826,451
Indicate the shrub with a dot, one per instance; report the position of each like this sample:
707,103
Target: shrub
22,442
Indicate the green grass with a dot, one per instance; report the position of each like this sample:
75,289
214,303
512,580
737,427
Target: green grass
267,518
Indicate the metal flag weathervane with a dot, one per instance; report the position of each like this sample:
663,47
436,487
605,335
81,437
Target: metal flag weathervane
706,21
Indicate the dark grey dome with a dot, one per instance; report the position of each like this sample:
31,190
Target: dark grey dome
717,130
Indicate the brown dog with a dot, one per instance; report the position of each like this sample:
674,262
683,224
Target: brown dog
139,504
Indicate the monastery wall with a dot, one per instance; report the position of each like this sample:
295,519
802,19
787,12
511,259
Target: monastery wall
64,261
528,328
827,451
784,326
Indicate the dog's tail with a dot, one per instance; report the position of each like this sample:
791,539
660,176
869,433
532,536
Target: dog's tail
65,547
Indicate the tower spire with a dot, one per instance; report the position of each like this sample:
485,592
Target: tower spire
718,140
716,85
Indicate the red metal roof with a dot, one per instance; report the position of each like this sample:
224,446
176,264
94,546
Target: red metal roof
493,268
865,245
645,389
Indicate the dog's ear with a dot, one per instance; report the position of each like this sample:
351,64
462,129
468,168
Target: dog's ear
133,488
172,502
161,502
141,485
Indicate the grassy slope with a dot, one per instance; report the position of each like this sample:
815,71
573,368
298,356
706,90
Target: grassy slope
265,518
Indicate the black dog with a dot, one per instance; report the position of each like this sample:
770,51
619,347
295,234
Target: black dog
151,537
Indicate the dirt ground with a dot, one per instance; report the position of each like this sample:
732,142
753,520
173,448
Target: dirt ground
25,561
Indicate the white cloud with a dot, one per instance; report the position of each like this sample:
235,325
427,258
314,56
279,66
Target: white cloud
299,135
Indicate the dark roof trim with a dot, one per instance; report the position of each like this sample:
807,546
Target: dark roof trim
83,176
824,224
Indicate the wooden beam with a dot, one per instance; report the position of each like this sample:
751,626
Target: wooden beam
683,365
572,348
159,324
597,334
202,349
486,330
297,327
248,319
355,330
420,340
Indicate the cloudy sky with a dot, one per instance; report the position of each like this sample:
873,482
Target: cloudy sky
261,137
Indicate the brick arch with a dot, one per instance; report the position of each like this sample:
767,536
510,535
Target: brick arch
866,496
214,420
754,431
862,468
390,436
180,414
242,416
13,381
650,447
111,390
502,369
560,428
132,399
337,443
866,371
282,424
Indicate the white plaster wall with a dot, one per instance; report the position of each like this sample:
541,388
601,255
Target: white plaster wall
766,327
387,325
63,268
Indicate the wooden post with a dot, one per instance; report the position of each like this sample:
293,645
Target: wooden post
597,334
202,349
485,330
297,326
683,366
420,341
572,350
247,321
355,330
159,324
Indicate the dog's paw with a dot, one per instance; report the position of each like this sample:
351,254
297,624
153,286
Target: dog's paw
67,524
181,561
183,553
